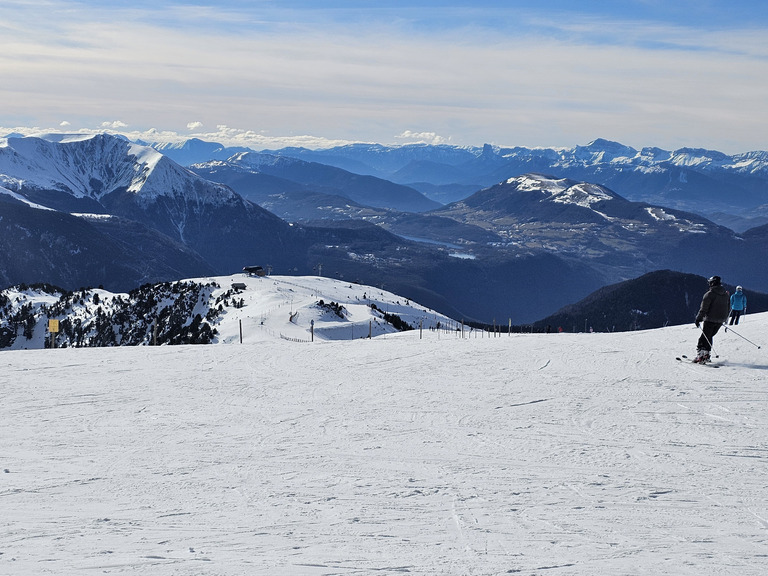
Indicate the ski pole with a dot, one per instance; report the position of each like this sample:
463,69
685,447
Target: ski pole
740,336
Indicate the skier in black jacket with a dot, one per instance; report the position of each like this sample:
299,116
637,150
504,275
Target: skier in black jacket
713,312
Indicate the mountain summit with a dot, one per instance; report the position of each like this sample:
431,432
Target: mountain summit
108,175
71,172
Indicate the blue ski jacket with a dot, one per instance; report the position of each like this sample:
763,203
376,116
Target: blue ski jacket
738,301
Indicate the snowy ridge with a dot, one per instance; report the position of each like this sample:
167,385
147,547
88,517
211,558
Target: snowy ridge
572,454
21,198
166,178
259,308
563,190
604,152
94,166
539,183
86,167
148,159
255,160
250,161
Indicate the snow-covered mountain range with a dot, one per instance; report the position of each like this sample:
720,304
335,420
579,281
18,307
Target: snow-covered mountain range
474,161
697,180
100,210
730,189
223,230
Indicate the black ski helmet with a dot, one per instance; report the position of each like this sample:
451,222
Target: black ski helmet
714,281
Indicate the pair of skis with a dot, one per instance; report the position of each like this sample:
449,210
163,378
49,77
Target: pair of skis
706,362
709,363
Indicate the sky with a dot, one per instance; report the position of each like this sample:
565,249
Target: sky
266,73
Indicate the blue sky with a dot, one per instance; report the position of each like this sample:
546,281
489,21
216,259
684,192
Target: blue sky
316,73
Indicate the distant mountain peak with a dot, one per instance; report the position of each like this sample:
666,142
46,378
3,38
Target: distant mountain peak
257,160
604,144
93,166
563,190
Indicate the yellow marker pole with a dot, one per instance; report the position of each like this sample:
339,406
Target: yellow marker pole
53,328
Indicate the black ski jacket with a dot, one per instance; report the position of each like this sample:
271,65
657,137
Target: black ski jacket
715,306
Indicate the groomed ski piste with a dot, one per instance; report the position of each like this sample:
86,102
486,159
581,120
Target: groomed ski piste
413,452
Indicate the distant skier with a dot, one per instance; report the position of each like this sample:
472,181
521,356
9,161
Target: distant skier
738,305
713,313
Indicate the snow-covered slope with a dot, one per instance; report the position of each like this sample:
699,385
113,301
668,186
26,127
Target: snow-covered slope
564,191
560,454
229,308
95,166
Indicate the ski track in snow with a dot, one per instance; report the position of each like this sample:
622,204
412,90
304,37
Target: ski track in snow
564,454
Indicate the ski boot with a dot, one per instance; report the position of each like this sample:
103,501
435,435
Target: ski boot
702,357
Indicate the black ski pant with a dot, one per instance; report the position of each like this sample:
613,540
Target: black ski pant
708,331
735,315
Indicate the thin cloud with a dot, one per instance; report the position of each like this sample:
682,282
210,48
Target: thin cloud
422,137
226,135
114,125
549,81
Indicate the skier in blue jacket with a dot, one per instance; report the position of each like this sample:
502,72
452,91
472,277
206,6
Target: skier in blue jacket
738,305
